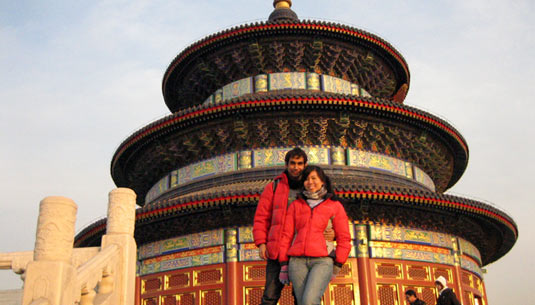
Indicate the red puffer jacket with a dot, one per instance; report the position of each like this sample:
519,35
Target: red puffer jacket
270,214
308,226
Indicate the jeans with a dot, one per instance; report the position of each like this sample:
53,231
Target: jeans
310,277
273,288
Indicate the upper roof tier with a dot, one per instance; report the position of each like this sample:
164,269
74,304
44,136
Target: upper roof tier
285,44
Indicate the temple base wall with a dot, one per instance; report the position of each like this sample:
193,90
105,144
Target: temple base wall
387,262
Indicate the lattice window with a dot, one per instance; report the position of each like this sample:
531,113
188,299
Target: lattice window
186,299
286,296
255,273
467,296
208,276
342,294
169,300
418,273
443,272
466,278
152,284
211,297
253,295
428,295
151,301
178,280
345,271
388,270
387,294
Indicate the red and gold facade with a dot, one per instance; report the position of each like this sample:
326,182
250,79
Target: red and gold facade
223,267
239,100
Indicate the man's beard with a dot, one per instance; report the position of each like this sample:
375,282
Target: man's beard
295,183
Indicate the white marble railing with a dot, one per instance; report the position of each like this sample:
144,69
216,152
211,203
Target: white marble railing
57,274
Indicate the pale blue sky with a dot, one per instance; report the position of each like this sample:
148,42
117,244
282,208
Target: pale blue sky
78,77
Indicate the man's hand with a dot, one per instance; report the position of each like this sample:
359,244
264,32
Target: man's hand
262,251
336,270
328,234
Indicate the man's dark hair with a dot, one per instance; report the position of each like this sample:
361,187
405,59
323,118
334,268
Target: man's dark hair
296,152
410,292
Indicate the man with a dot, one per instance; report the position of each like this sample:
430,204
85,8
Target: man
269,219
446,296
411,297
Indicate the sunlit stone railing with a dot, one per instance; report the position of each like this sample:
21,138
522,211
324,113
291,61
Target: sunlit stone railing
57,274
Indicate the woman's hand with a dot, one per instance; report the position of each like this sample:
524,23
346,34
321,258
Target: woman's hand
328,234
283,275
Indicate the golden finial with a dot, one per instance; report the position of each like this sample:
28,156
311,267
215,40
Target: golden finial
282,3
282,12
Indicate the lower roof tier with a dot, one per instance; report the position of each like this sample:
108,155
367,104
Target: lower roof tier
290,118
491,230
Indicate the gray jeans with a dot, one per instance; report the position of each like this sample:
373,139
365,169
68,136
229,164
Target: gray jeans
310,277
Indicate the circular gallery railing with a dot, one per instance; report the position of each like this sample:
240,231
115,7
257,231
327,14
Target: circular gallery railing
271,157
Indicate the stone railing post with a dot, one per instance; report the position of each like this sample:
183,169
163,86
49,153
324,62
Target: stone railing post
120,232
50,277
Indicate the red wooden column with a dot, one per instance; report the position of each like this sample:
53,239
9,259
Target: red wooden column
363,263
138,290
458,272
231,260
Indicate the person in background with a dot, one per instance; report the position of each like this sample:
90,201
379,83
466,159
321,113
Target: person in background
304,252
269,219
411,297
446,296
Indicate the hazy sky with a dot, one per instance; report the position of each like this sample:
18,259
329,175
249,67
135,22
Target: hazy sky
78,77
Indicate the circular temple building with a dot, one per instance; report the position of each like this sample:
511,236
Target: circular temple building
240,99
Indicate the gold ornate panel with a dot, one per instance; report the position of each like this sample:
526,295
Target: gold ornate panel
445,272
212,297
169,299
388,270
418,273
424,293
187,298
466,279
177,280
207,276
387,294
150,285
151,301
343,294
468,298
254,272
252,295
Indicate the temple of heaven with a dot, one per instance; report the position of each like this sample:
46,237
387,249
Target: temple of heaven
239,100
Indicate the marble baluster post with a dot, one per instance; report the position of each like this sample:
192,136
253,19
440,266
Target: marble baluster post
50,278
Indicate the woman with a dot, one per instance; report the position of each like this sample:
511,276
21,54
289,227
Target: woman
311,265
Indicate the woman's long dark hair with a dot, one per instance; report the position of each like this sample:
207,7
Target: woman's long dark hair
321,174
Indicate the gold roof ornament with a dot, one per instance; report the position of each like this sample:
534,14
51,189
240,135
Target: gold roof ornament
282,12
282,3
